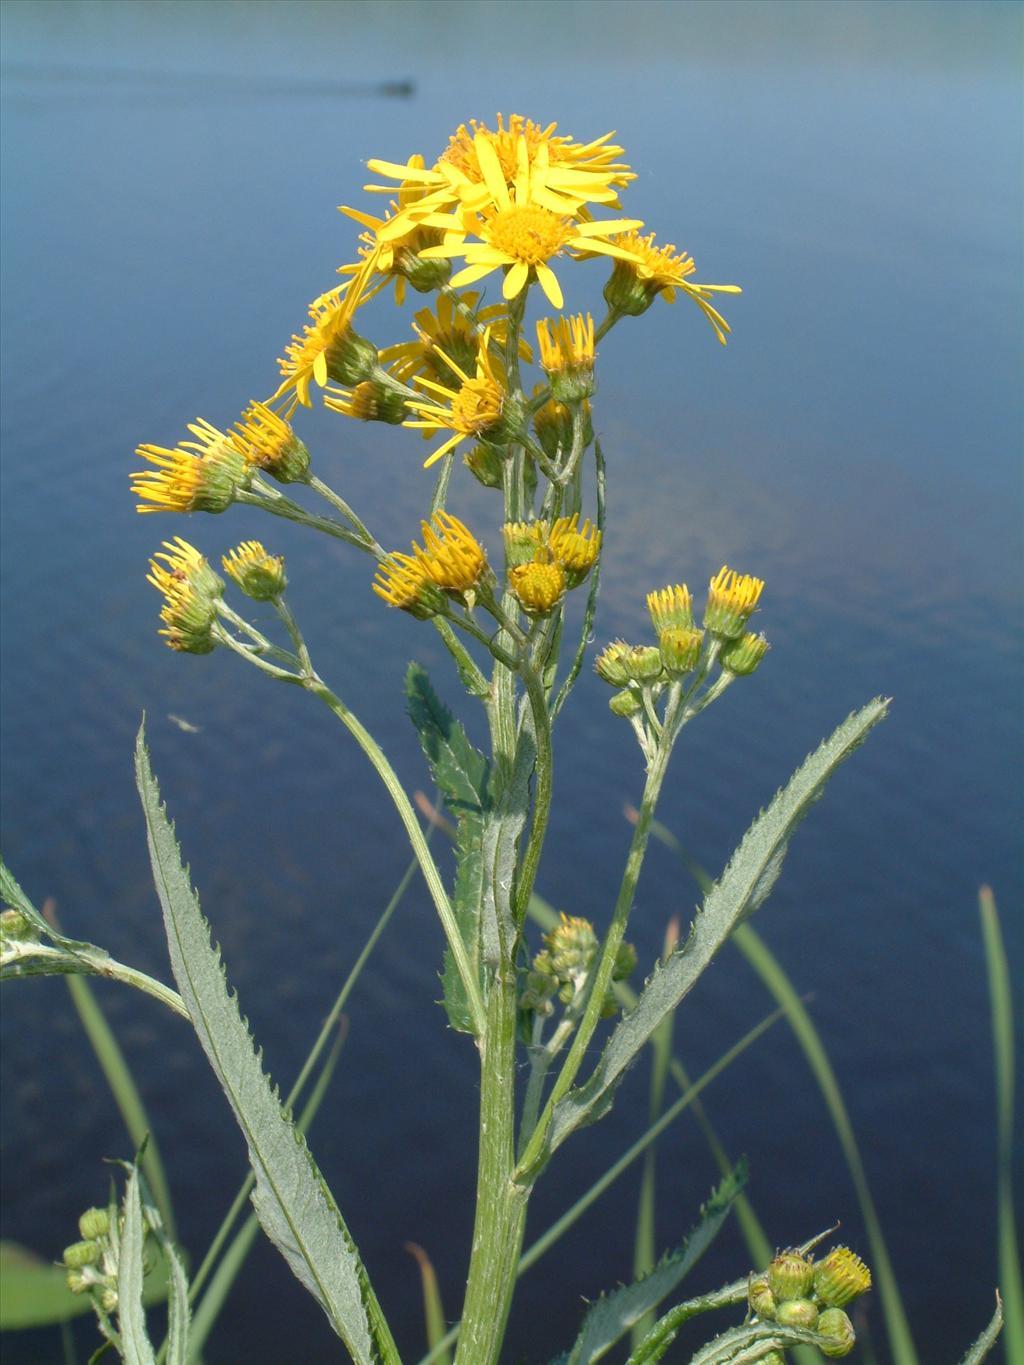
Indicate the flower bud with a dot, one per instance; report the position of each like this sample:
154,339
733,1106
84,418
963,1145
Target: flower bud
761,1299
424,275
790,1275
77,1282
575,547
834,1324
839,1277
369,401
191,591
643,663
625,704
566,349
671,608
610,664
486,465
742,656
796,1313
625,292
553,425
80,1254
401,582
732,598
268,442
108,1299
350,358
94,1223
14,925
260,575
522,540
680,650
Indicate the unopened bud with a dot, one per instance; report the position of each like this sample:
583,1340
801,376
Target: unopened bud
790,1275
834,1325
14,925
486,465
260,575
79,1254
796,1313
742,656
610,664
625,704
94,1223
761,1300
680,650
643,664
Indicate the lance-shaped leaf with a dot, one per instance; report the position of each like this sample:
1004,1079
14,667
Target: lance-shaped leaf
463,775
292,1201
743,886
136,1348
611,1317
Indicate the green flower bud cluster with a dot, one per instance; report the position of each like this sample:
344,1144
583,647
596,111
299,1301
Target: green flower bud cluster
562,967
796,1291
91,1264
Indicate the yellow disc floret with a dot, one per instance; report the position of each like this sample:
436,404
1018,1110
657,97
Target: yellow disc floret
538,585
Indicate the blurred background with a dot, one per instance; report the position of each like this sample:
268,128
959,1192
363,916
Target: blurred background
171,173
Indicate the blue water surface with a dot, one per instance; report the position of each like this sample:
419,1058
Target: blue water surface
171,173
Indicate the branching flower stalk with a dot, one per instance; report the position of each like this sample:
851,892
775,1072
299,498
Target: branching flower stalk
521,205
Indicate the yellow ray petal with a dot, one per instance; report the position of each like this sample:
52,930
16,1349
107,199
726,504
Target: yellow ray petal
490,168
547,281
516,278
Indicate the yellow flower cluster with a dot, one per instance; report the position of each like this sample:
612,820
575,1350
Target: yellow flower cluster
451,560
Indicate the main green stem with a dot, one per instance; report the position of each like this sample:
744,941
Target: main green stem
500,1201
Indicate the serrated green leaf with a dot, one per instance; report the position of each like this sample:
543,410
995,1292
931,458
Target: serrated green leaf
611,1317
178,1312
136,1347
462,774
292,1200
742,887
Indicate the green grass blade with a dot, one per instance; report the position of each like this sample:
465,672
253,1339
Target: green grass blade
1002,1038
778,984
645,1243
125,1092
433,1309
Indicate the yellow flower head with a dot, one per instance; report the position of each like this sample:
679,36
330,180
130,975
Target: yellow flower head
654,270
539,585
449,330
268,442
732,598
566,343
479,167
575,547
474,408
401,581
328,347
196,476
397,239
260,575
672,607
191,590
452,558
